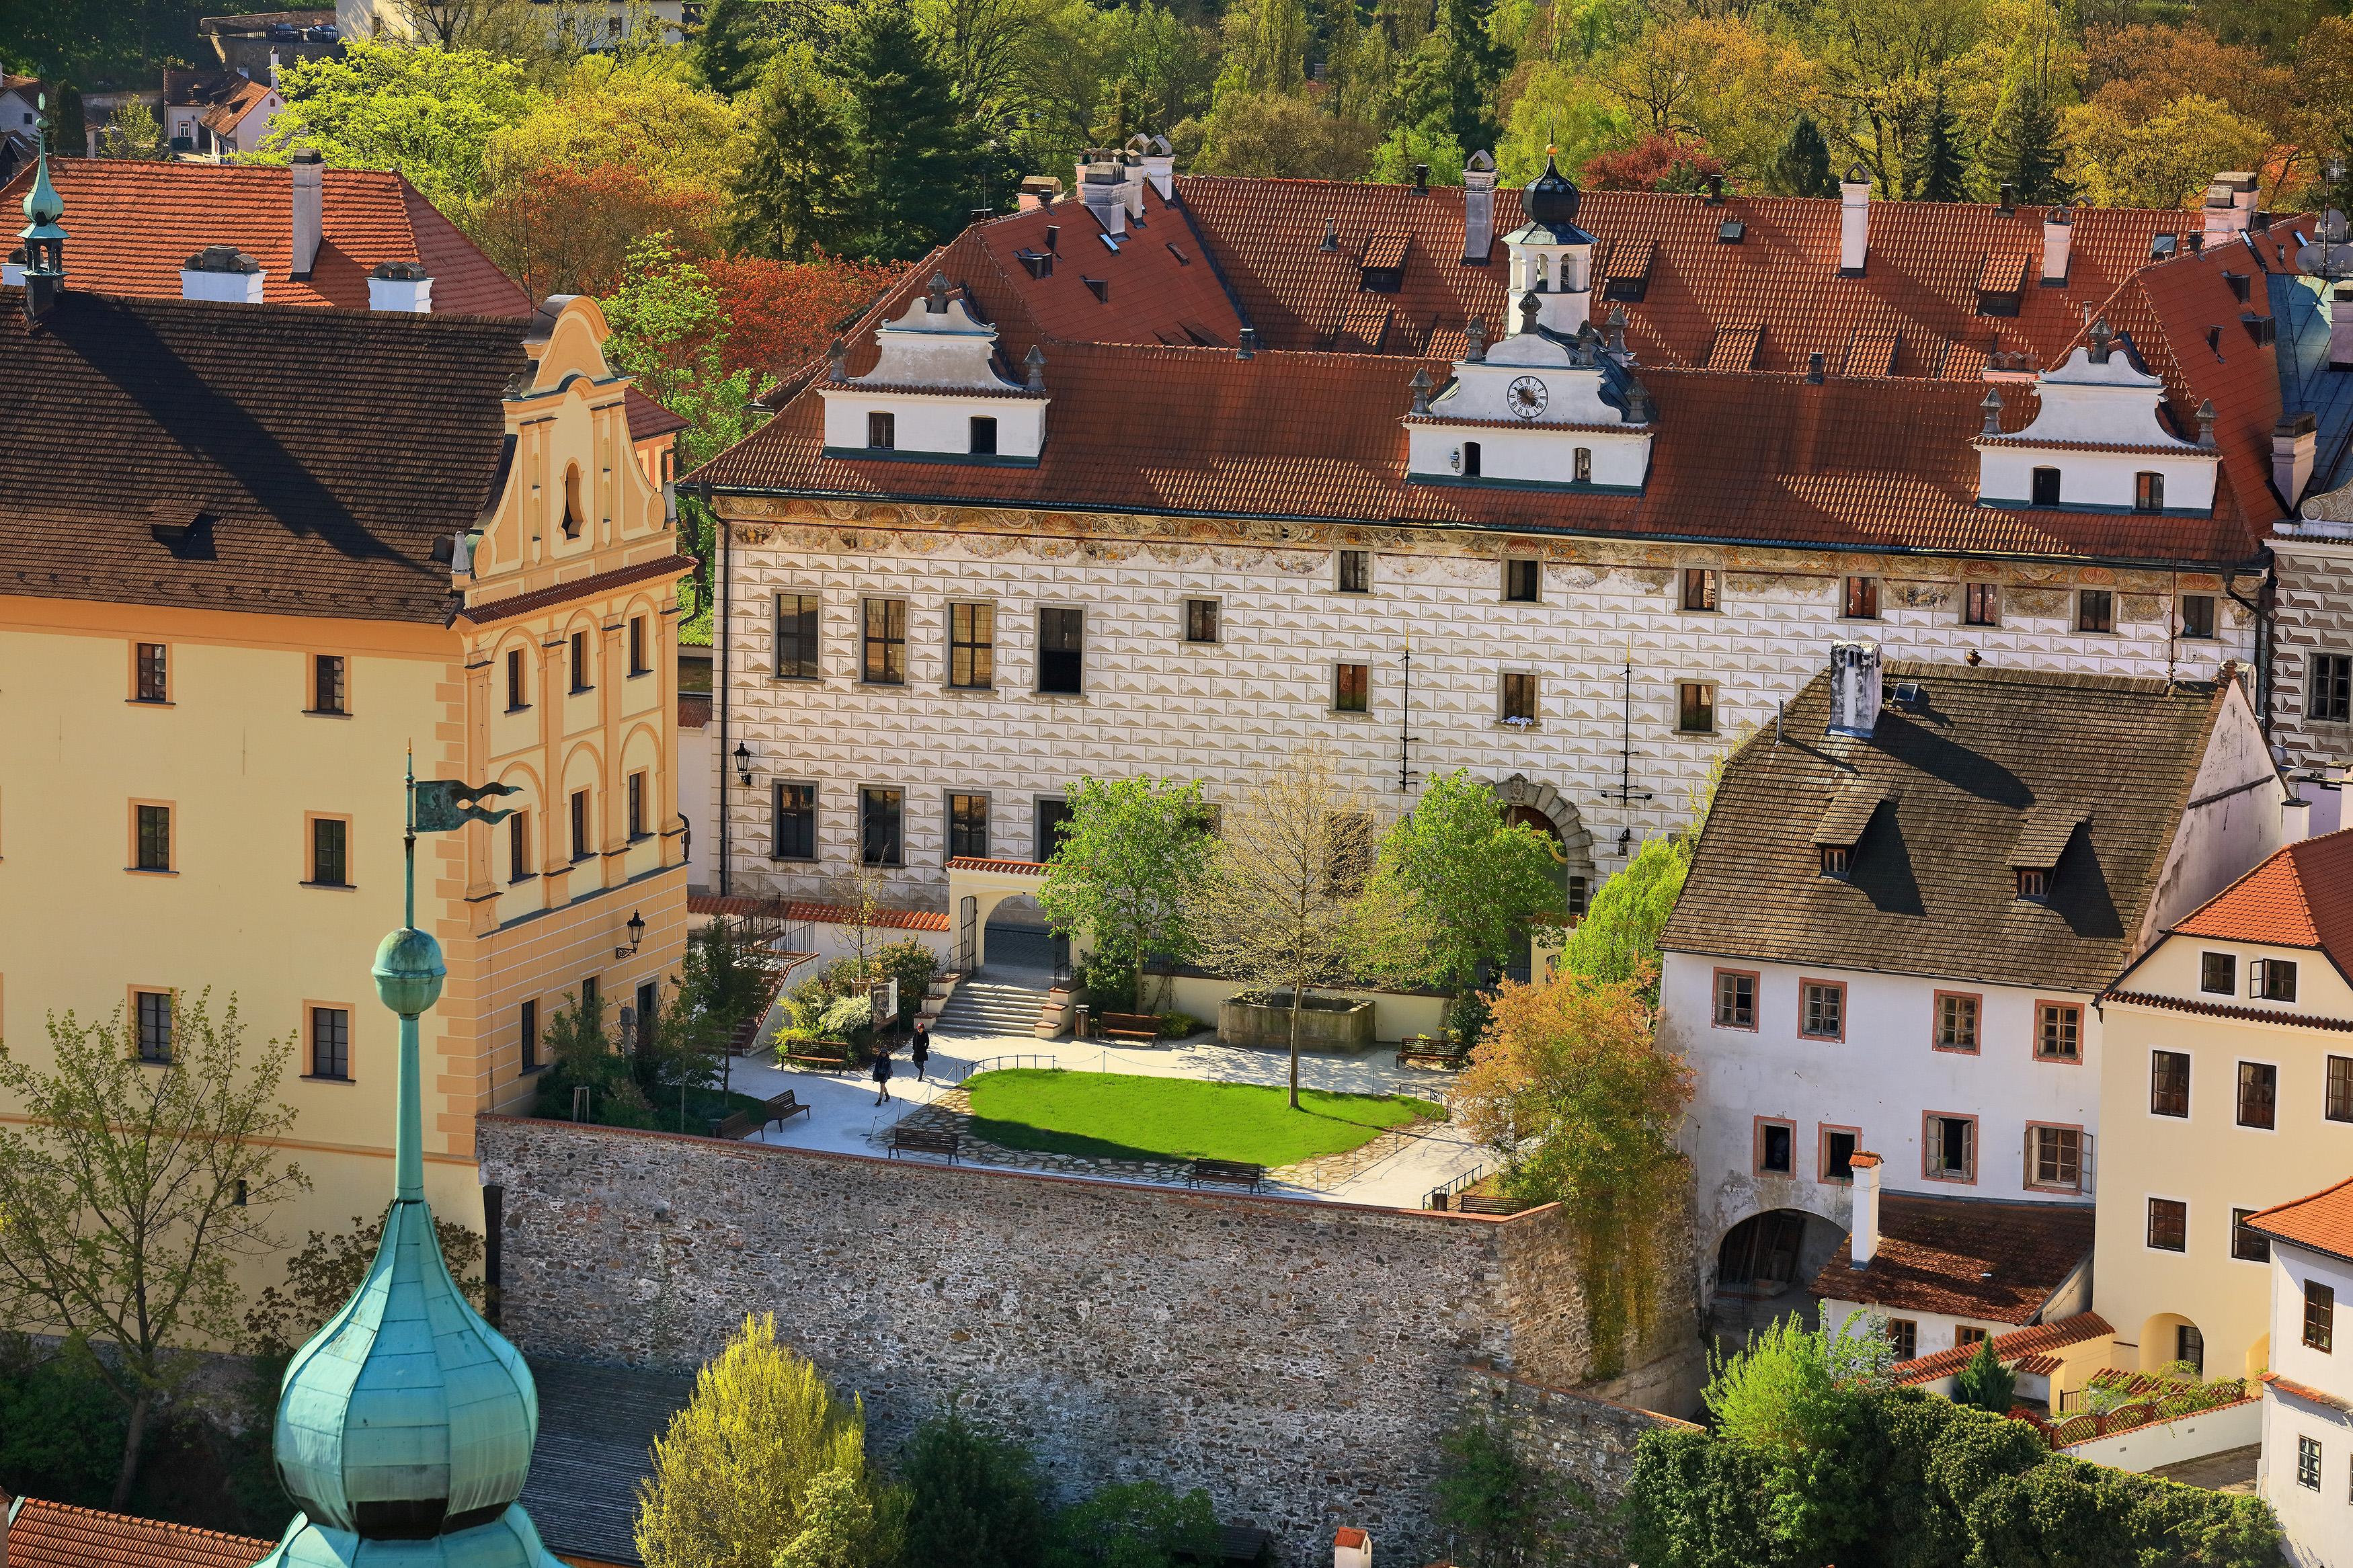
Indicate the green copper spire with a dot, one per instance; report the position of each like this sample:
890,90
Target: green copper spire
404,1426
43,206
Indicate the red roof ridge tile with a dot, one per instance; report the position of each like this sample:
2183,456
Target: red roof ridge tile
2227,1010
2305,1392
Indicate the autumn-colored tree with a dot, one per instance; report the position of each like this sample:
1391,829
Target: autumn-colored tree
782,314
1656,162
563,230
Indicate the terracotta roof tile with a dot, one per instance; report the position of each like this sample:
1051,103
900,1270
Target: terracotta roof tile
1995,1261
1734,348
1874,351
971,863
133,224
2306,1393
797,909
1384,252
2301,897
57,1535
649,420
241,100
2017,1347
1366,323
2285,1016
693,710
2323,1222
2004,272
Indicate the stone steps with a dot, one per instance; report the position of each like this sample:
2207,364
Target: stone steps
979,1007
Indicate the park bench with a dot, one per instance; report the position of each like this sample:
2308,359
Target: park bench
923,1140
778,1109
1130,1026
1477,1203
1422,1051
1225,1173
830,1056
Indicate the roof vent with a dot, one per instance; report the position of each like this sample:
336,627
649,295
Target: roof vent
1037,263
2241,285
1420,385
1247,345
935,296
1176,251
1715,190
401,286
1731,231
1033,368
1814,369
1099,287
1331,235
221,274
1054,238
1474,342
1992,406
2262,329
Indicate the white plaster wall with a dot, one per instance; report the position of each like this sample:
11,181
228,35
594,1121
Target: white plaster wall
2144,1448
1936,1330
1534,453
2232,820
2313,1523
940,423
2006,473
2330,1371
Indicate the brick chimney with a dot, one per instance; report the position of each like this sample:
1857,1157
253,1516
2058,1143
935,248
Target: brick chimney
1478,207
2058,240
1351,1548
310,211
223,274
1854,221
1862,1236
2292,440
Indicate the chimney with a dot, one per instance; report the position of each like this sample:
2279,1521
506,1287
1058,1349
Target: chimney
2008,204
310,211
1854,689
1421,179
2296,821
1249,345
1478,208
1131,184
2340,327
1854,221
2230,206
401,286
1103,179
1862,1236
1351,1548
1160,167
1814,369
2058,239
222,274
2292,440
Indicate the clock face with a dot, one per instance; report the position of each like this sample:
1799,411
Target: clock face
1526,396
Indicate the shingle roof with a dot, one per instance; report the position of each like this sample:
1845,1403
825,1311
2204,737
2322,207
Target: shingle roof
2018,1347
329,448
45,1534
2301,897
2000,1262
1931,890
597,1429
2323,1221
134,223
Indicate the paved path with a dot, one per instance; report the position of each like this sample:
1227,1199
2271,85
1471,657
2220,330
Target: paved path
843,1115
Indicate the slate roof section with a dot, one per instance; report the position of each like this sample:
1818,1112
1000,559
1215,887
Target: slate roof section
134,223
1931,890
2301,897
44,1534
2323,1221
597,1431
329,448
1999,1262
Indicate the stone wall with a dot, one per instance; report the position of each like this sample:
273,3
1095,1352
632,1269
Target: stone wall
1583,1444
1300,1360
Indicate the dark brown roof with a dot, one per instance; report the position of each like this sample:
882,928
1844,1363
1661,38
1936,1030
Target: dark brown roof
328,449
1965,1257
1932,891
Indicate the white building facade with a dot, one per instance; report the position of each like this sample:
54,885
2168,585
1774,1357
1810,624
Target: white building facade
2306,1472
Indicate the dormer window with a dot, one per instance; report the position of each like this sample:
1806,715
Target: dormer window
881,431
2033,883
572,512
2043,841
984,436
2149,492
2046,486
1837,859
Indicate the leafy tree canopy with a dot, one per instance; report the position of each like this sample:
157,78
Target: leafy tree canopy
430,113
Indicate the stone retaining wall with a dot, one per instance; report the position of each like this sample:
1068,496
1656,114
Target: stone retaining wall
1300,1360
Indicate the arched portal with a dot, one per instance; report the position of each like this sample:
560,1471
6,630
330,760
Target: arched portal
2168,1337
1545,808
1014,937
1765,1269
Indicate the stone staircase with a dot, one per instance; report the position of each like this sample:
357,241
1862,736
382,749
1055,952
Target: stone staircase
983,1008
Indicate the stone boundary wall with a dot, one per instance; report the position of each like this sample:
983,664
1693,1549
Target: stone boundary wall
1300,1360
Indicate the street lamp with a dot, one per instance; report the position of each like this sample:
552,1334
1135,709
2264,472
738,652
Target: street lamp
637,929
743,764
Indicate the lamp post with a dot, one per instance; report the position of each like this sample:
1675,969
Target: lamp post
743,764
637,929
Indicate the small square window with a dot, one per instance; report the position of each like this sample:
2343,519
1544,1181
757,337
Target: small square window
1200,620
1524,582
881,431
2198,616
1777,1149
1839,1145
2259,1096
2218,974
2046,486
1699,588
1694,708
1949,1153
984,436
2058,1032
1957,1021
1981,605
2307,1462
2033,883
327,683
2337,1099
2096,610
2273,979
1968,1337
2169,1225
1351,688
2319,1316
153,1024
1904,1333
1519,697
1862,598
2329,691
330,1042
1822,1010
2248,1246
2149,492
2169,1083
1837,860
151,672
1735,1000
1356,574
2054,1158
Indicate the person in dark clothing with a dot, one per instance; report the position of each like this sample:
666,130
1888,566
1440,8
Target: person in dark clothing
921,1051
881,1076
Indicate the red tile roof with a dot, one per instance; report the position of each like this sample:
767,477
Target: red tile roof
234,105
505,609
44,1534
2017,1347
826,914
2323,1222
1995,1261
2301,897
693,710
973,863
2306,1393
133,224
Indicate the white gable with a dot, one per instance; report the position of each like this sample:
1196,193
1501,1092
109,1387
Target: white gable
938,390
2099,429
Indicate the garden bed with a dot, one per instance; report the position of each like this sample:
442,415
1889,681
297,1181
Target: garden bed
1126,1116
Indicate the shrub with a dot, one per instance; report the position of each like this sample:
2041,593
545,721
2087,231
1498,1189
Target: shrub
848,1018
60,1430
912,964
1178,1026
972,1499
1140,1525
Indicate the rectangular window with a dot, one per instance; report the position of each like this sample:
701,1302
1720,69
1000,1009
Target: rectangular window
2258,1095
1862,598
796,637
881,431
518,847
592,997
2248,1246
968,827
2169,1083
2329,692
2149,492
328,839
1524,582
154,1026
1699,588
2046,486
1966,1337
1580,899
1581,466
153,849
2273,979
1838,860
1735,1000
2198,616
1201,620
2058,1032
152,674
1694,708
330,1043
327,683
636,806
1904,1333
528,1031
2054,1158
1519,697
883,641
1957,1021
972,647
793,836
1777,1149
638,665
2307,1462
1839,1144
1052,814
1981,605
2218,974
881,816
2319,1316
2169,1225
1351,686
2096,610
580,824
1061,649
984,436
516,690
1822,1009
2336,1101
1469,460
2033,882
1355,571
580,682
1949,1150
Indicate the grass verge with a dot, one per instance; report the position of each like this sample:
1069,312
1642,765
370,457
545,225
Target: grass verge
1121,1116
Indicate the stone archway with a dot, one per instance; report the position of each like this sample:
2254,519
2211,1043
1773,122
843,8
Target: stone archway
1527,800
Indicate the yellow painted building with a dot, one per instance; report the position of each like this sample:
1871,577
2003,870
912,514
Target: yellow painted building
250,555
2227,1086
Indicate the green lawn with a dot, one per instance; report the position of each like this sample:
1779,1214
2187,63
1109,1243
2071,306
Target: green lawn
1123,1117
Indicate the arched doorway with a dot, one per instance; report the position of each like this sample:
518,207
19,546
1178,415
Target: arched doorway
1017,938
1765,1269
2168,1337
1545,809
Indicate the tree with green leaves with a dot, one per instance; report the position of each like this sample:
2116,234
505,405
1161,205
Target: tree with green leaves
1944,165
914,150
1985,1382
973,1498
430,113
131,131
1129,860
129,1191
1449,83
1618,937
326,1272
2025,151
1500,1509
1141,1524
1456,885
737,38
796,193
1803,168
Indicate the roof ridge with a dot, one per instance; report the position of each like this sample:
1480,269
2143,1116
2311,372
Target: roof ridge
172,1524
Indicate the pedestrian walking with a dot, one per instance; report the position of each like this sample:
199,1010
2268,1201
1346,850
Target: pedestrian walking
921,1051
881,1076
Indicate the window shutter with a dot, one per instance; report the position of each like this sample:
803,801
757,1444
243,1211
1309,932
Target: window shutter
2028,1178
1936,1145
1968,1149
2083,1172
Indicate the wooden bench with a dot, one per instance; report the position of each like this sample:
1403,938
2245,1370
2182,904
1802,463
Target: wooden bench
831,1056
778,1109
1476,1203
1225,1173
923,1140
1130,1026
1422,1051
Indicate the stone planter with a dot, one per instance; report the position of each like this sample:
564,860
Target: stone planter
1325,1024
